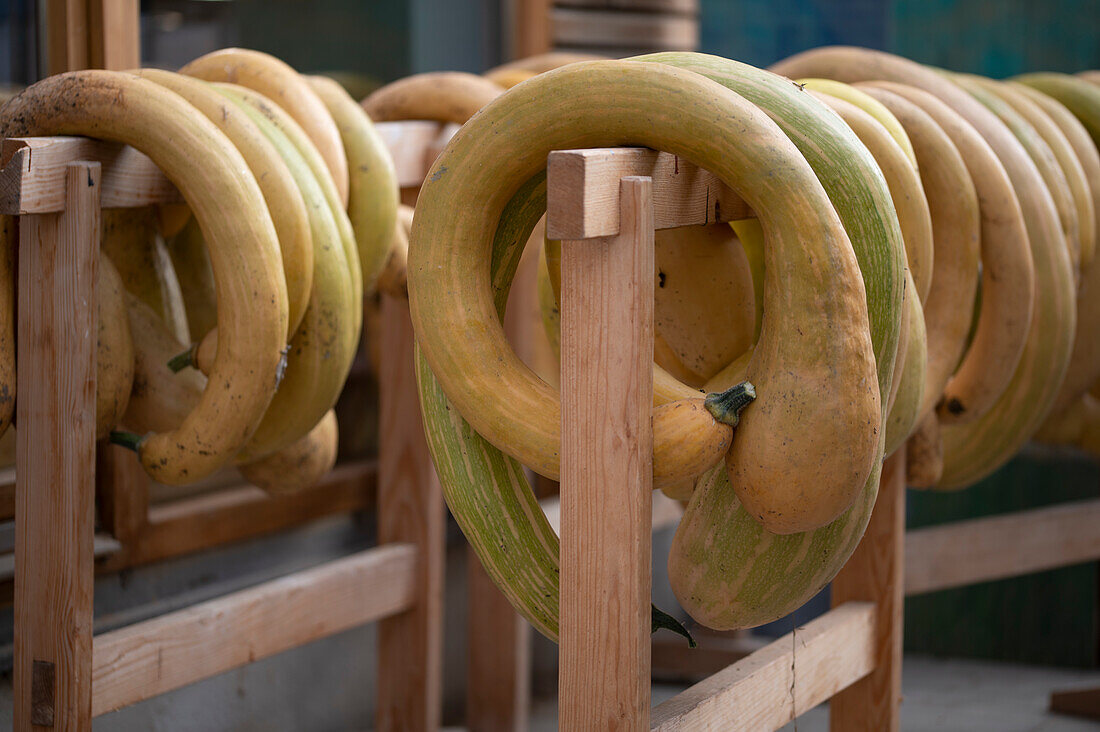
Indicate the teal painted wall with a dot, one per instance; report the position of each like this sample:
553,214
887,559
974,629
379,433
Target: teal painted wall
992,37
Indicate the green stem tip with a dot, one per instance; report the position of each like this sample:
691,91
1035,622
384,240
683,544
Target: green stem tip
182,360
726,406
129,440
660,619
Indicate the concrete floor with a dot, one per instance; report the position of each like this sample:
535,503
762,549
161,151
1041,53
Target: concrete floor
944,696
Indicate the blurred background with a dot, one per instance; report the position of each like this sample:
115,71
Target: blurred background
1048,619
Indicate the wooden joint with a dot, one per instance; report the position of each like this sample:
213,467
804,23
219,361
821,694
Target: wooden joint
32,177
582,191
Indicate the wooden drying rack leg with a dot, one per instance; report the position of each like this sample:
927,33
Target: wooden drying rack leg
607,474
56,457
410,510
875,573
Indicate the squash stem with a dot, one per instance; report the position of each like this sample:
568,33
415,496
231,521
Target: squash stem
726,406
129,440
181,361
660,619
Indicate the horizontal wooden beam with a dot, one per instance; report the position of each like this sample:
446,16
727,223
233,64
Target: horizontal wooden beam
583,191
155,656
784,679
666,512
414,146
211,519
32,174
576,27
978,550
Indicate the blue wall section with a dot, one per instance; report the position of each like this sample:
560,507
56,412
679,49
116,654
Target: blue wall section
991,37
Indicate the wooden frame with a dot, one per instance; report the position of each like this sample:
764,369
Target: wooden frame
606,224
62,675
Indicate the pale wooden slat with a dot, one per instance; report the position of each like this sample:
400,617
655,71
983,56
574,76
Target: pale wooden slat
666,512
32,179
607,331
874,574
683,193
786,678
102,545
54,503
414,146
410,509
978,550
200,522
617,28
114,34
688,7
149,658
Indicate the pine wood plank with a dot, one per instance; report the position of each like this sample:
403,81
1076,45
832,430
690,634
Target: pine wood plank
66,35
683,193
212,519
414,146
114,34
574,27
122,490
665,512
874,574
56,456
149,658
607,473
978,550
786,678
32,178
531,28
498,662
410,509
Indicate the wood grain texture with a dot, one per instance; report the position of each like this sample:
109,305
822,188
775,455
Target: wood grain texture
411,510
114,34
978,550
498,660
574,27
607,473
149,658
66,35
122,491
212,519
684,194
54,503
414,146
874,574
32,178
789,676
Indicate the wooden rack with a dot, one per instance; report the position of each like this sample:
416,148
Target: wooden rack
63,676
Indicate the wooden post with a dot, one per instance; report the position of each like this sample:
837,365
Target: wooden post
114,34
875,574
606,469
410,509
54,503
66,35
122,490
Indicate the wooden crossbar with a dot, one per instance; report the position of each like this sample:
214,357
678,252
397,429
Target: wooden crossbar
32,174
782,680
995,547
149,658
